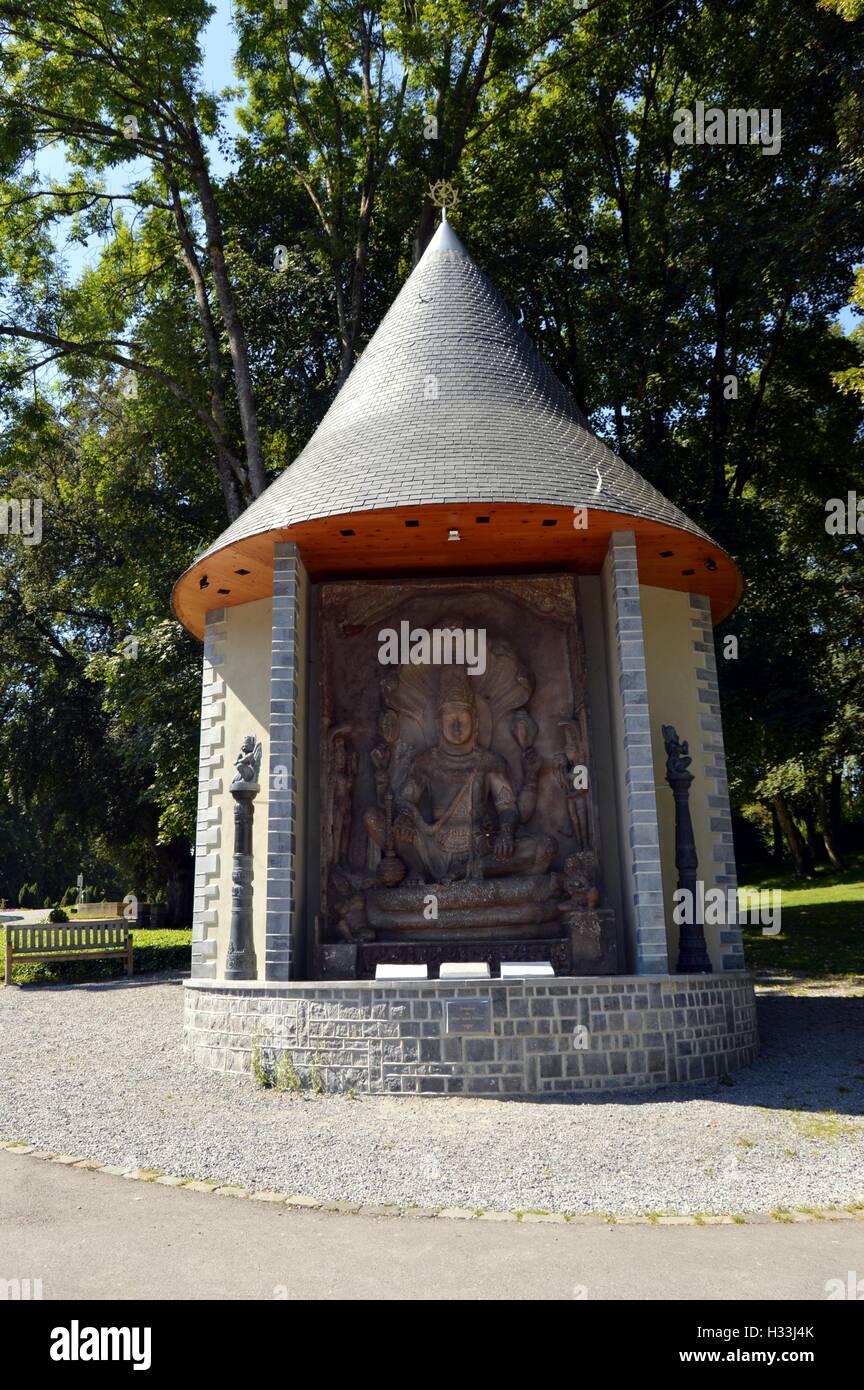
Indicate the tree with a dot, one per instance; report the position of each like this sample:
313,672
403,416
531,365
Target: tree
698,338
114,85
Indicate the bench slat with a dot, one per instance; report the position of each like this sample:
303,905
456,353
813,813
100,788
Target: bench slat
68,943
50,938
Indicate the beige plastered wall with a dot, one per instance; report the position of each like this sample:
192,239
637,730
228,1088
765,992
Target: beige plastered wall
247,711
671,663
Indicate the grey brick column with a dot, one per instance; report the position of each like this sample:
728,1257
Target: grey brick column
641,830
204,917
286,764
725,873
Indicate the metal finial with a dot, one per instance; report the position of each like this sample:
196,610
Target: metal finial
444,194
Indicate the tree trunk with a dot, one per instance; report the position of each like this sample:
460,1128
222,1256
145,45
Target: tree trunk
235,489
178,865
231,319
465,99
794,839
813,842
358,284
829,819
425,228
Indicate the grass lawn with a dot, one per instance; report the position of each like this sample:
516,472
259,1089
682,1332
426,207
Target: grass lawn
822,925
154,950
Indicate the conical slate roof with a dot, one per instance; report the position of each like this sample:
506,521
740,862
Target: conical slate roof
451,410
451,402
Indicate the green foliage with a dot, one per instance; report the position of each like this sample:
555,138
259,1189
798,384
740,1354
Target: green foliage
851,379
316,1079
285,1077
556,127
57,914
261,1071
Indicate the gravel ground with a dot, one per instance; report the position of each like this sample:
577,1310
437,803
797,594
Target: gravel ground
98,1071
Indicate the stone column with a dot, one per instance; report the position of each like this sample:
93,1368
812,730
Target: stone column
640,838
286,774
204,917
240,962
693,956
724,869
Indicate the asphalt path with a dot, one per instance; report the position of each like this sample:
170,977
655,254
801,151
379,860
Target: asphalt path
88,1235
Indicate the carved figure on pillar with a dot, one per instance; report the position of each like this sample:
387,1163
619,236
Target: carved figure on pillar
247,763
693,955
240,961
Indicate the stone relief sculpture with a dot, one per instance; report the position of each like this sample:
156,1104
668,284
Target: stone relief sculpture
389,757
458,811
455,791
343,764
570,769
524,731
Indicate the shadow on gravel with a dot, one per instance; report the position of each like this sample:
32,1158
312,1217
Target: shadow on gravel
142,981
811,1059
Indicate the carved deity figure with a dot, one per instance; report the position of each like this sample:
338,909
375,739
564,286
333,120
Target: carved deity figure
389,756
457,812
341,773
678,758
248,762
349,905
580,883
524,731
571,773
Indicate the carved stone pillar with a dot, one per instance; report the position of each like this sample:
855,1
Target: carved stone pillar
240,961
290,652
640,832
693,958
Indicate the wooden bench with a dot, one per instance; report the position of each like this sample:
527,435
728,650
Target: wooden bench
78,941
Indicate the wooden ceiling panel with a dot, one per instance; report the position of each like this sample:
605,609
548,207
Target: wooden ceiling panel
404,542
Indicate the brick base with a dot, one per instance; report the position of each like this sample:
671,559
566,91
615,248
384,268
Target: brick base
606,1033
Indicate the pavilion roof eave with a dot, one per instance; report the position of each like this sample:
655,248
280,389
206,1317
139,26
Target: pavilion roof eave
508,536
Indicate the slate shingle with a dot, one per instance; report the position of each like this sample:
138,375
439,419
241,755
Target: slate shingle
502,429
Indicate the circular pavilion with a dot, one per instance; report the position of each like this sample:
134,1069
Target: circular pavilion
461,740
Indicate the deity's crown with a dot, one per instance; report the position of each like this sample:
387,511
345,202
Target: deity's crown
454,688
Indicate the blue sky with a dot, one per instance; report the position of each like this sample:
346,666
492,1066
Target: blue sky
218,72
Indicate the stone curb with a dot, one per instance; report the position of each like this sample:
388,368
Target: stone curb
297,1201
